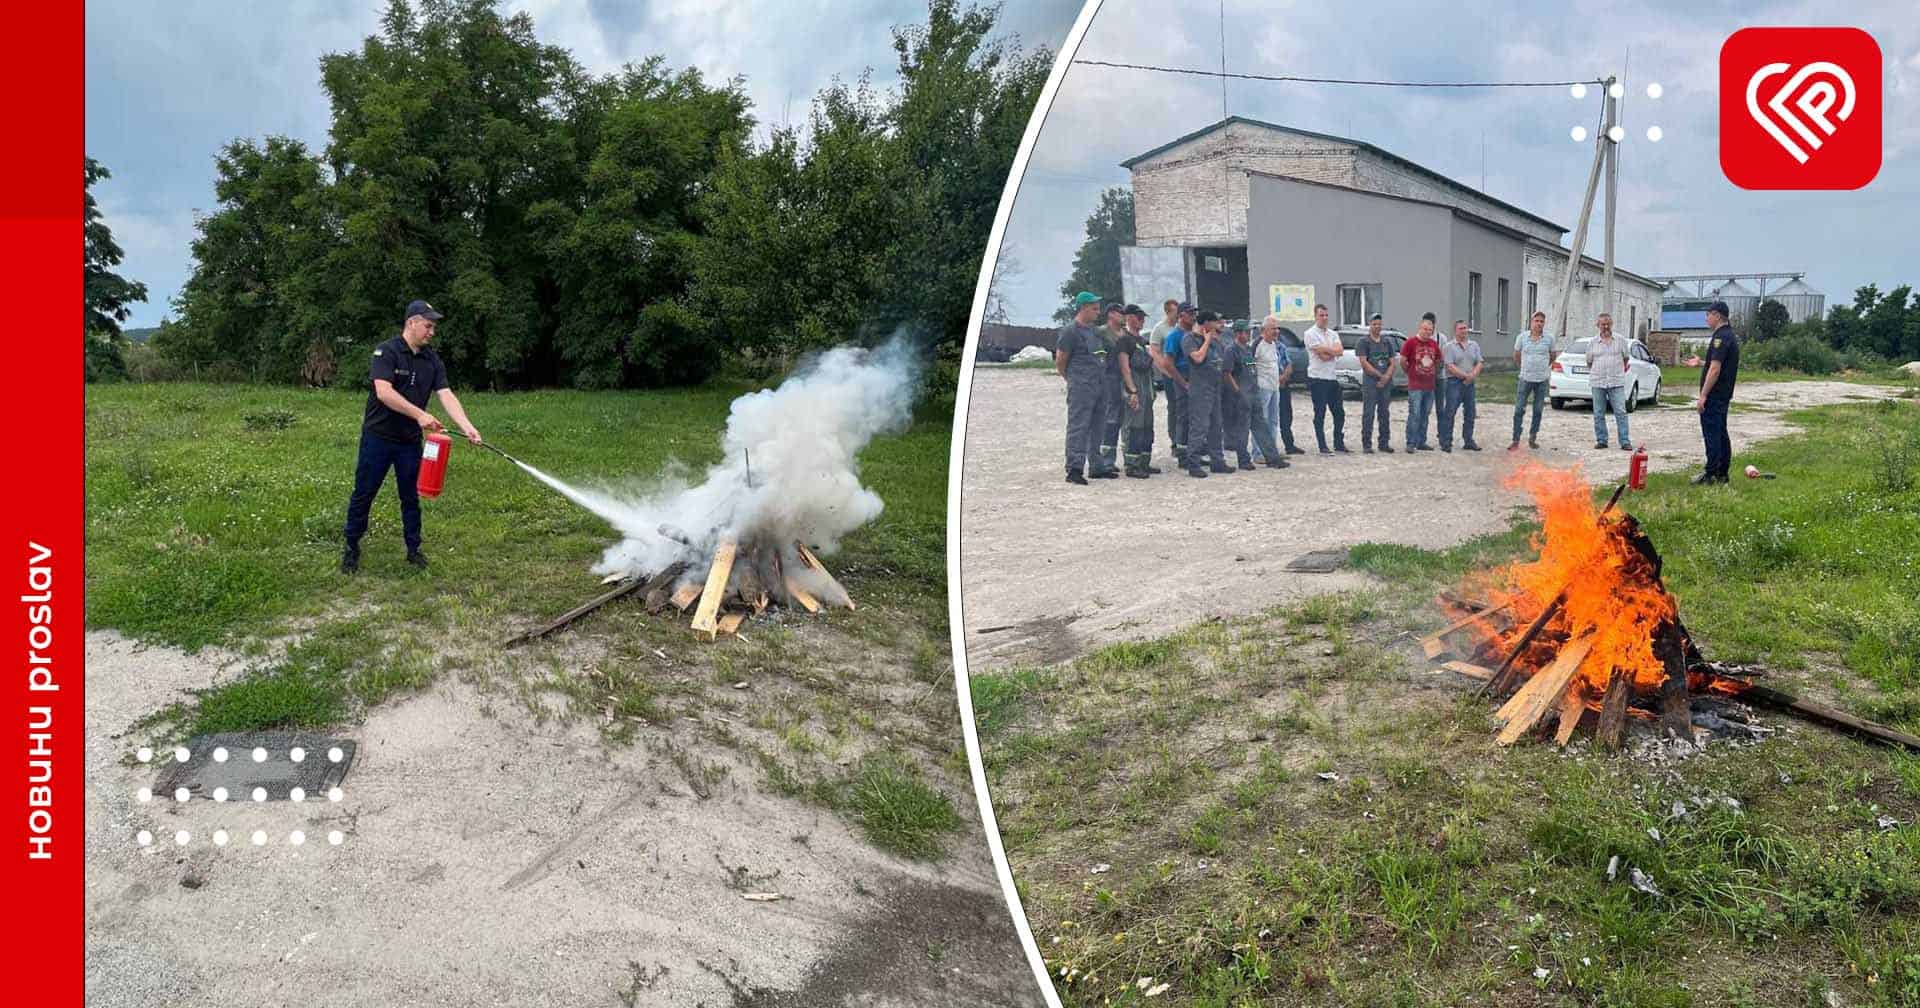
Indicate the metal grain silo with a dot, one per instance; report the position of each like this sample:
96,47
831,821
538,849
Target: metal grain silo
1801,301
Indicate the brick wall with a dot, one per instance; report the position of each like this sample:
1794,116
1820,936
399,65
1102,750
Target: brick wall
1196,194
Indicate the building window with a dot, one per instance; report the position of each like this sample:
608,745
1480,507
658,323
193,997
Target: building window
1358,302
1213,264
1501,310
1533,300
1473,301
1633,320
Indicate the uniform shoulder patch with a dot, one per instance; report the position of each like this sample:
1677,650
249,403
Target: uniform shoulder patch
1715,343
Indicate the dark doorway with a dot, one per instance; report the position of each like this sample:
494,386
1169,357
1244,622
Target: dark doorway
1220,281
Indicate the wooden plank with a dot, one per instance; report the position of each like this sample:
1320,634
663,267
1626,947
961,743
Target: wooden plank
1676,707
684,595
624,588
730,623
807,557
1521,697
704,620
1468,669
1435,642
1817,712
1552,686
1612,727
799,594
1505,676
1572,706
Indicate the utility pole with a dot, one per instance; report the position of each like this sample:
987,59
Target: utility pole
1613,196
1600,144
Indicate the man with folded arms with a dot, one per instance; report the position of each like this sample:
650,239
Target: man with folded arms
1607,379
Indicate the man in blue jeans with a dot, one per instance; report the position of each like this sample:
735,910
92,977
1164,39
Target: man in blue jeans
1534,353
1461,360
405,372
1607,378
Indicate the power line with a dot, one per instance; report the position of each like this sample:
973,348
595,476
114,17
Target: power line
1291,78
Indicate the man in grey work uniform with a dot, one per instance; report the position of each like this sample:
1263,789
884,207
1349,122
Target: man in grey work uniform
1378,357
1239,382
1534,353
1142,369
1113,402
1080,357
1206,364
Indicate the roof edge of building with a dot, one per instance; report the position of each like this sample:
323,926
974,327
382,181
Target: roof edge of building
1383,152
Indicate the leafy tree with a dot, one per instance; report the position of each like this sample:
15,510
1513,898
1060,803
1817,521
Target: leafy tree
1886,323
108,295
1769,320
1096,267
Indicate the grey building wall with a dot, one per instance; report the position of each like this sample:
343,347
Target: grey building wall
1636,302
1495,255
1311,234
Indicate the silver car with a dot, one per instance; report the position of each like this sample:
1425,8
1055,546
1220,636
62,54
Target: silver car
1347,370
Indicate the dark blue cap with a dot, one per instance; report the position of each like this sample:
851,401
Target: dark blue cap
423,309
1719,308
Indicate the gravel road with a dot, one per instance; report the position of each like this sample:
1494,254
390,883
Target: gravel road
1050,570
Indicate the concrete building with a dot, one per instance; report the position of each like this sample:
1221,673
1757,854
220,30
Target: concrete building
1243,215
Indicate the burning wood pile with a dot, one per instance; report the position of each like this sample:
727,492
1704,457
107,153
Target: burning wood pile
1589,634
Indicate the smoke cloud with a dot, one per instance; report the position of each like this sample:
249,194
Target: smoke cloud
789,467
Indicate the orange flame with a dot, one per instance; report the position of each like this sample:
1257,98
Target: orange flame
1611,589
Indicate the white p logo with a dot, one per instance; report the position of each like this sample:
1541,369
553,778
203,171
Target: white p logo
1815,103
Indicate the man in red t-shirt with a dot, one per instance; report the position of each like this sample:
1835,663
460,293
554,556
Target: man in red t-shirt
1422,356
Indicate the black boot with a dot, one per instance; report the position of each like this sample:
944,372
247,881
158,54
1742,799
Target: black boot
1075,476
417,558
350,560
1246,463
1197,472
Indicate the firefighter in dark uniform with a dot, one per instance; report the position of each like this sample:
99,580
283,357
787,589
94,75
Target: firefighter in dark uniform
1113,405
1142,370
1717,379
404,374
1205,374
1080,357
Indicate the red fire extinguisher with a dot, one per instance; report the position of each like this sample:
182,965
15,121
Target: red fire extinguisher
1636,472
433,463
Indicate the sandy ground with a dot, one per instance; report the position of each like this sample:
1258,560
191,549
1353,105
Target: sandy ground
491,861
1050,569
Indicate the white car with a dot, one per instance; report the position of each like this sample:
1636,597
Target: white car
1568,379
1347,371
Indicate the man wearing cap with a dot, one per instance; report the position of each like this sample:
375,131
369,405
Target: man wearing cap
1716,395
1139,371
1461,359
1206,364
1323,350
1422,355
1172,345
1607,358
1378,357
1246,375
1080,357
1534,353
404,374
1113,394
1236,398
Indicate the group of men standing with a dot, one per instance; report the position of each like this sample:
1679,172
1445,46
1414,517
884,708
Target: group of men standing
1228,389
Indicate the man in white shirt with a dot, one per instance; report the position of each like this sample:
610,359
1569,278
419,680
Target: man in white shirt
1323,349
1607,378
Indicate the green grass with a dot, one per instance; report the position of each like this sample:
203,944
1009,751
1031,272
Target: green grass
213,519
1436,868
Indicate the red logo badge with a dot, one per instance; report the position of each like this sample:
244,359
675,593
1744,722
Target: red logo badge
1800,108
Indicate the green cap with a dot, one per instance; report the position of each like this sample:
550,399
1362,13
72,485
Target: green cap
1239,325
1085,298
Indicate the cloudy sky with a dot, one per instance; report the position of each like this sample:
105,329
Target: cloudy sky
169,83
1678,213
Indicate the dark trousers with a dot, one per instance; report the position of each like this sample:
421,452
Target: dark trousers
377,455
1234,419
1374,401
1203,423
1083,422
1326,399
1713,431
1177,420
1113,415
1283,416
1460,400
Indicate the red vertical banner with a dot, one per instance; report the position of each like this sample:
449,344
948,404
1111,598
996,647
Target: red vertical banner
43,823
